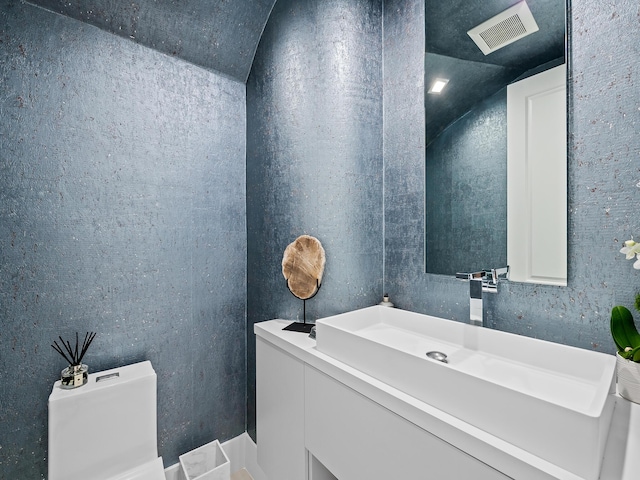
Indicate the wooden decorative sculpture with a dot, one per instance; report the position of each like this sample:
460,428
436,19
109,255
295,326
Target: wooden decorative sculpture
302,266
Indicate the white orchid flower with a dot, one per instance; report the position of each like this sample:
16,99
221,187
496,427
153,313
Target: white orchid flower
631,249
636,264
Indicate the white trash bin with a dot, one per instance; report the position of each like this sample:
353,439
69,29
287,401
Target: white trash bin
208,462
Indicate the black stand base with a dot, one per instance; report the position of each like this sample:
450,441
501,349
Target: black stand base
299,327
303,326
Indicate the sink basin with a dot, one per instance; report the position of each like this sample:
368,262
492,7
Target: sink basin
551,400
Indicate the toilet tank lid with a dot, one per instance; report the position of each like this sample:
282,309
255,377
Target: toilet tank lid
104,379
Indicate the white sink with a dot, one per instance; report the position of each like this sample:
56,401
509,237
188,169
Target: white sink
551,400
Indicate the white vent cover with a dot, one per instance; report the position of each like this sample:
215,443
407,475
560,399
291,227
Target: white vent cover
505,28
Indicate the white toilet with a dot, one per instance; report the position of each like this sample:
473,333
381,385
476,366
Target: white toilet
106,429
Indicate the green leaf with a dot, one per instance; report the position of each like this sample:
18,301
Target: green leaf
623,330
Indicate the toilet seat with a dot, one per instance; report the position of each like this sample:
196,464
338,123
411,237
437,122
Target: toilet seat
153,470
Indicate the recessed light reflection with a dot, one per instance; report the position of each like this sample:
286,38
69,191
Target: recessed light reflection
438,85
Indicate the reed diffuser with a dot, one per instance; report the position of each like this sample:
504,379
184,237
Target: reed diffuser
77,373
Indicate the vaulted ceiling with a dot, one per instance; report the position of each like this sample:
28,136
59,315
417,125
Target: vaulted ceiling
219,35
223,35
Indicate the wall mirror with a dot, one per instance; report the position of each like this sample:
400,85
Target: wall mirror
466,128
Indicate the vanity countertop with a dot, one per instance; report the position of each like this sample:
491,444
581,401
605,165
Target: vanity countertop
621,461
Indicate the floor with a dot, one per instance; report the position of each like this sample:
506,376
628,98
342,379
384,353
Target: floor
241,474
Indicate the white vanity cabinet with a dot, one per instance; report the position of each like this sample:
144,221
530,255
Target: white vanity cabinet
280,413
356,438
320,419
310,424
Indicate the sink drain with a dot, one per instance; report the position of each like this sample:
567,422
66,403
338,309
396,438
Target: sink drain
439,356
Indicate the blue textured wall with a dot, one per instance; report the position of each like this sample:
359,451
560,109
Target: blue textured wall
314,158
122,211
604,187
466,191
122,200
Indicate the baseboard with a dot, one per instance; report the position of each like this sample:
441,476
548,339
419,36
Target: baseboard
242,453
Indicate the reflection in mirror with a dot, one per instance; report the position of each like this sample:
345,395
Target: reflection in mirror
466,122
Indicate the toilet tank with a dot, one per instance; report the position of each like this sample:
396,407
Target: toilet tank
105,427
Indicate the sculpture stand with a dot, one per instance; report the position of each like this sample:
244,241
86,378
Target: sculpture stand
303,327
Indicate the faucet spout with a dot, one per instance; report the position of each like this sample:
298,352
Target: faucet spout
475,301
483,281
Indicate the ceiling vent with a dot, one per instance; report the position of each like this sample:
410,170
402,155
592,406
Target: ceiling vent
513,24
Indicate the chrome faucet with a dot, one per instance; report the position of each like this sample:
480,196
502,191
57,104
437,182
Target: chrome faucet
482,281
